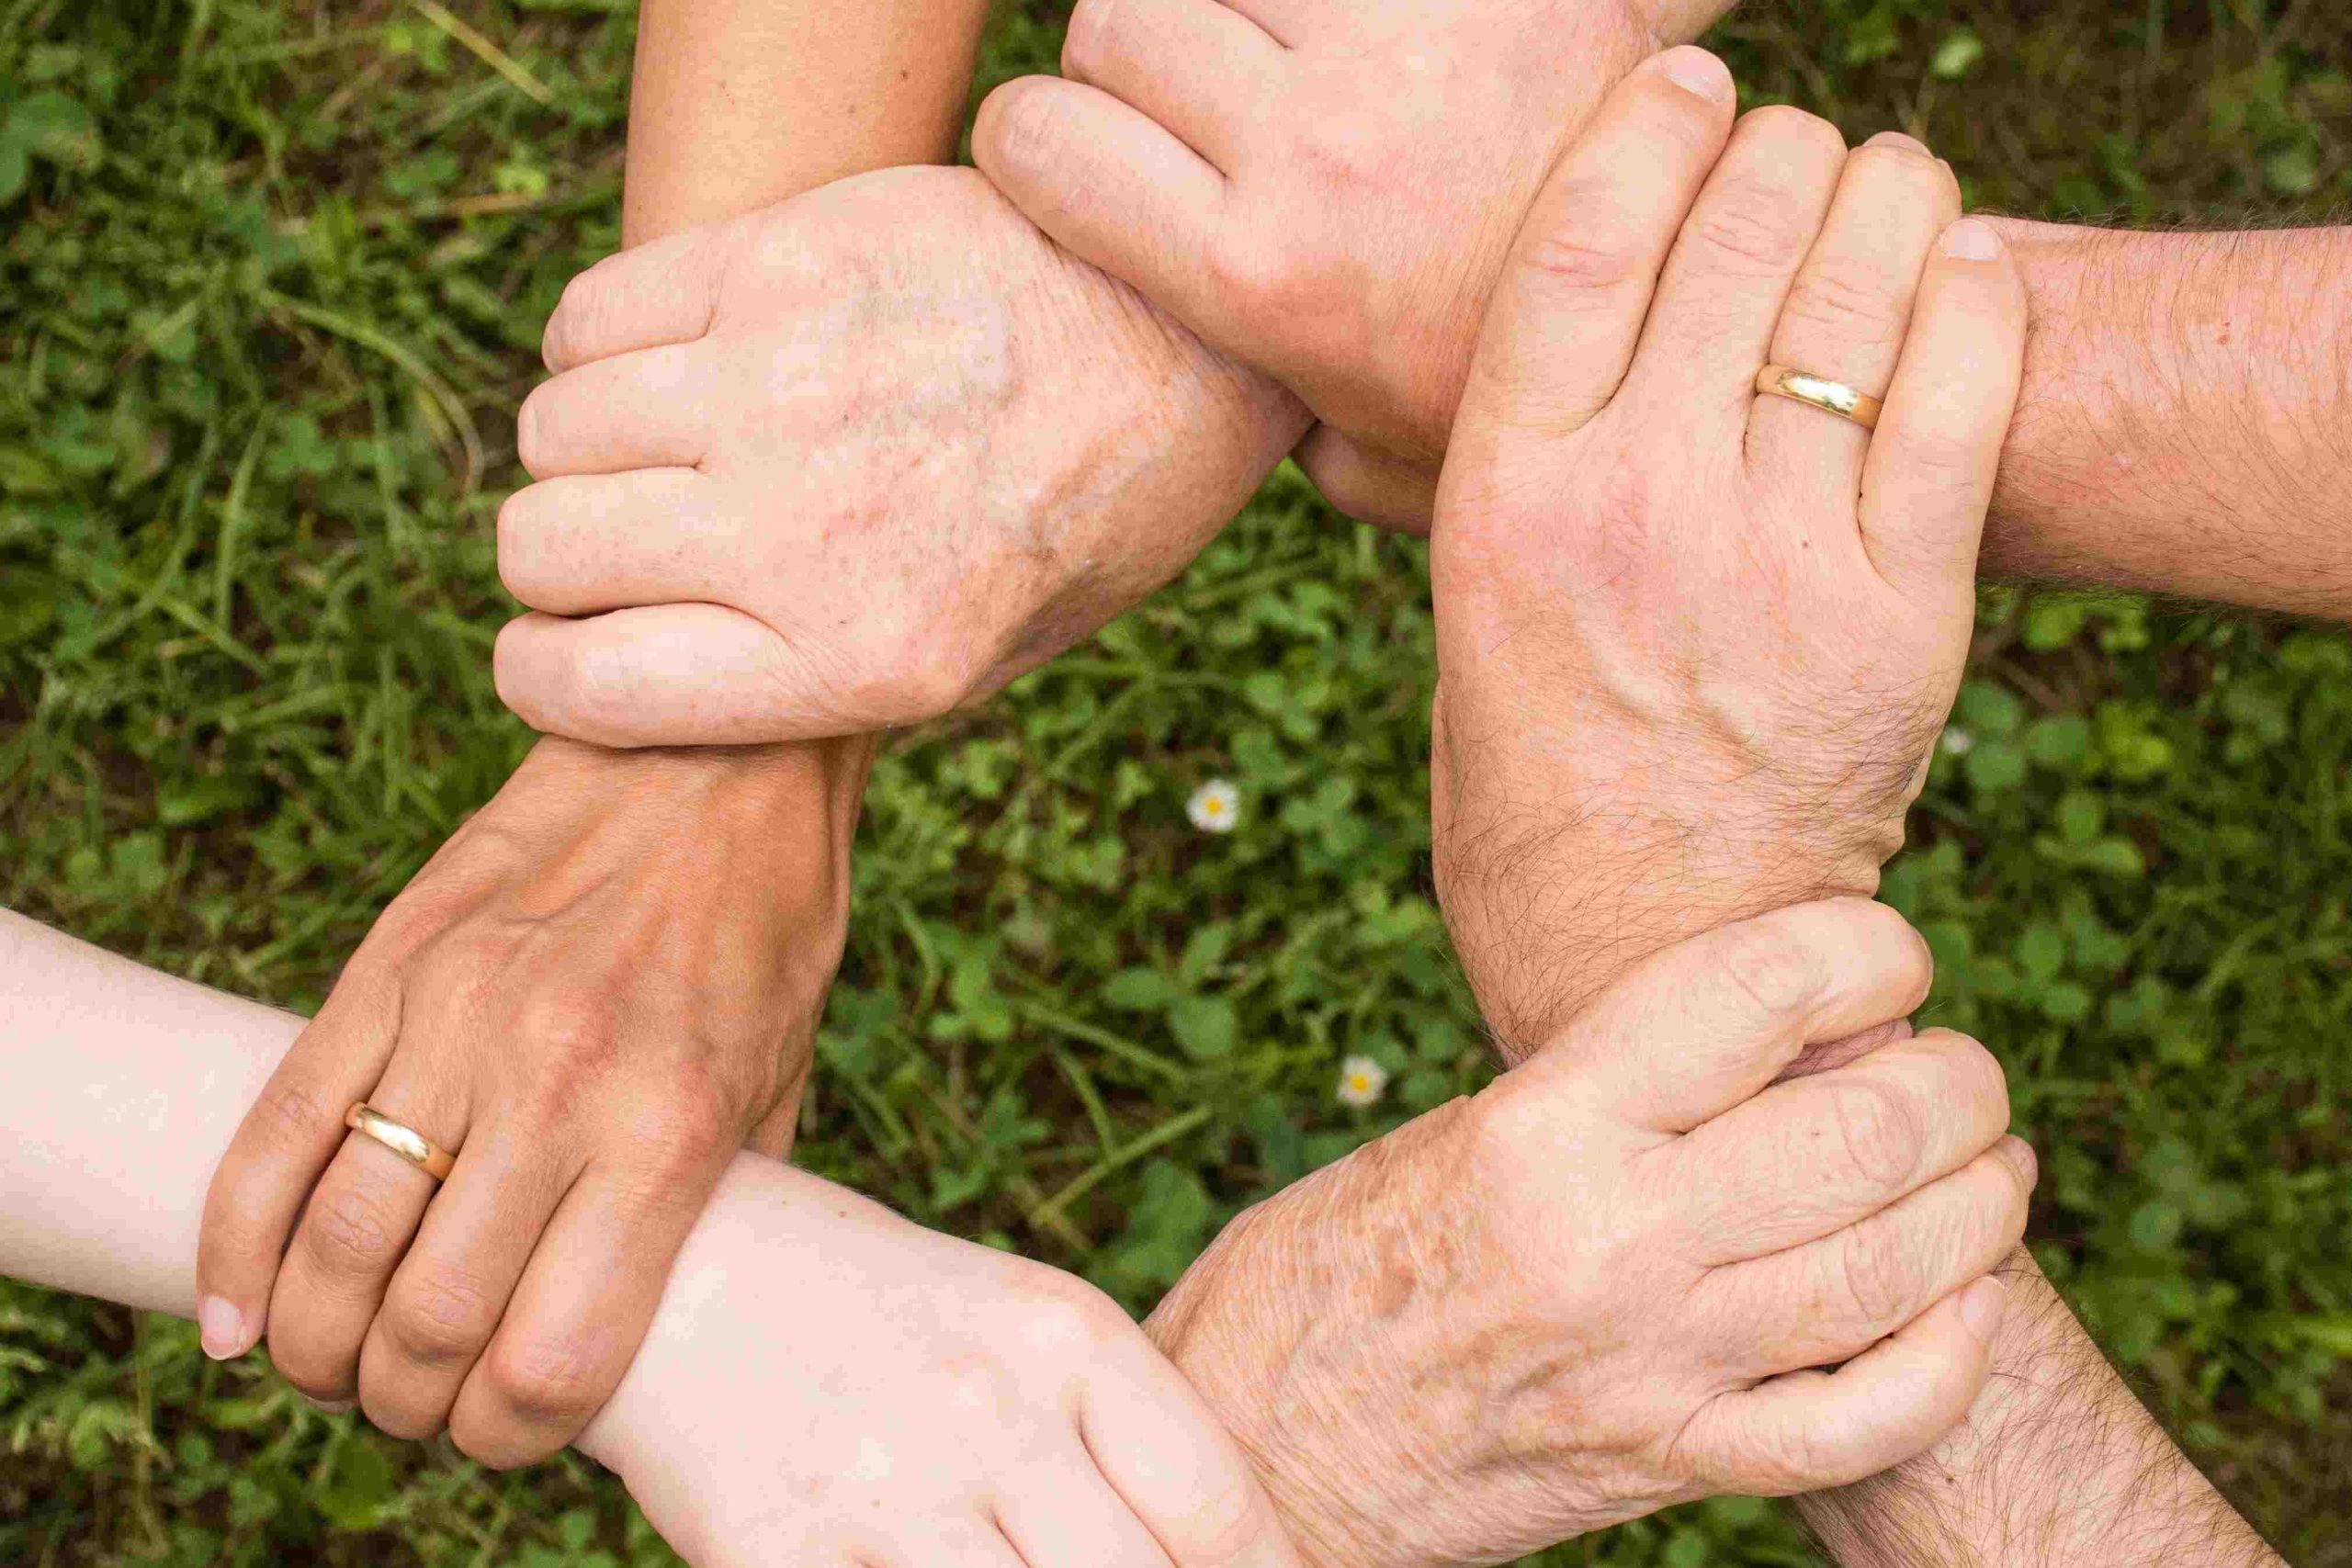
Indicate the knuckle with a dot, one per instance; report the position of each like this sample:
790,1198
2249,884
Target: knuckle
1798,133
1748,230
1903,176
1847,296
1590,250
1978,1077
572,1032
1498,1125
350,1234
292,1113
1772,968
1064,1318
1878,1130
440,1321
1875,1277
544,1381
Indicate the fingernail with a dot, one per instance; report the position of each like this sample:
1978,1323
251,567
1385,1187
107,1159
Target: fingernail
330,1406
223,1329
1981,1306
1972,239
1698,71
1896,139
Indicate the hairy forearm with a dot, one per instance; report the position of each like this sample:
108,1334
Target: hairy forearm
2057,1466
2186,422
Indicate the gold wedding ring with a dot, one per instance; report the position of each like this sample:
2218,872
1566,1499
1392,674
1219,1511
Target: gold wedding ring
406,1141
1829,397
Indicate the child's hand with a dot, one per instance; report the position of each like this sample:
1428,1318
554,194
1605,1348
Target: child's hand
829,1386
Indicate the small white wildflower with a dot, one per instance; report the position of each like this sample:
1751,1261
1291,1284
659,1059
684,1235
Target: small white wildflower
1215,806
1957,742
1362,1082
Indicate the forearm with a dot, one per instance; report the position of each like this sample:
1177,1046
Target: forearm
124,1085
2186,422
2057,1466
735,105
739,103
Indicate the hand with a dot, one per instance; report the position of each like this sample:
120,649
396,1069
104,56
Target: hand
1325,189
1694,644
828,1385
847,463
597,990
1594,1289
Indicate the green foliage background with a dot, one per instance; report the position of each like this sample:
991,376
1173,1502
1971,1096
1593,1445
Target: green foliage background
271,279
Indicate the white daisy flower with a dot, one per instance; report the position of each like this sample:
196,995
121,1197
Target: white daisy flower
1362,1082
1215,806
1957,742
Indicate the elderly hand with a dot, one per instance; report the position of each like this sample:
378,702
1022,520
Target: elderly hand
829,1386
849,462
1323,188
1606,1283
597,990
1695,643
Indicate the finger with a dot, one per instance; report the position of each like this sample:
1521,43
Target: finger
1929,476
354,1233
1065,1516
1111,186
1701,1027
1813,1429
283,1144
1169,1459
1847,314
579,544
1368,484
1567,311
446,1299
1201,71
634,411
583,1304
1721,293
1814,1154
690,675
1832,1299
662,292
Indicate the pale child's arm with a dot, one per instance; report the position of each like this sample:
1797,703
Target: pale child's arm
823,1383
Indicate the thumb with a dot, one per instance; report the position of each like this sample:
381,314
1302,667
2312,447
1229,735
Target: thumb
686,674
1567,311
1708,1022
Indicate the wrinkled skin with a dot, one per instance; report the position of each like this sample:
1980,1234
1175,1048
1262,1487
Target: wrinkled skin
1590,1291
1695,644
847,463
1325,189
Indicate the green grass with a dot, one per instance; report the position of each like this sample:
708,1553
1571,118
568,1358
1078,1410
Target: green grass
273,275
